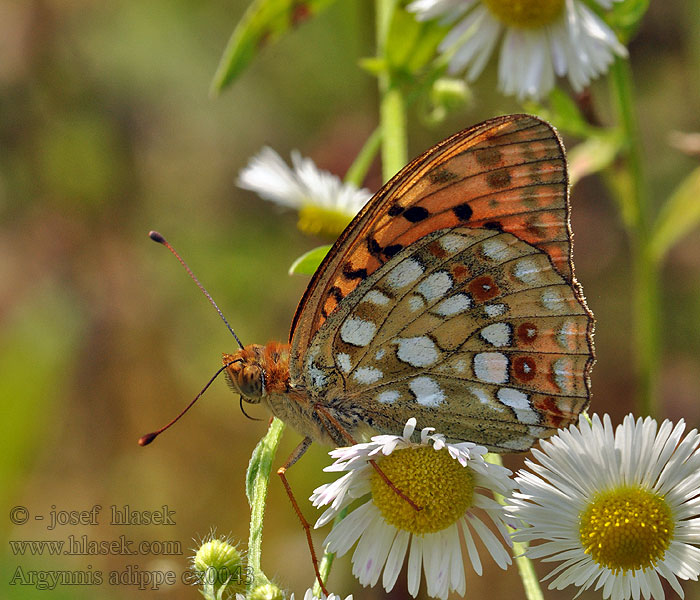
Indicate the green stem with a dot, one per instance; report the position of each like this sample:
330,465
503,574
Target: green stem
634,201
363,161
531,584
257,481
392,107
327,561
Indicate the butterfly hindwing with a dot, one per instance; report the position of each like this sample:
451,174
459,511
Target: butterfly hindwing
470,330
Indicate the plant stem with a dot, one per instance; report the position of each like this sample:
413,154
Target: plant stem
327,561
635,198
256,487
392,108
358,169
531,584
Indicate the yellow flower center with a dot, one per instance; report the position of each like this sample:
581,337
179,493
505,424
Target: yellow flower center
526,14
437,483
314,220
626,529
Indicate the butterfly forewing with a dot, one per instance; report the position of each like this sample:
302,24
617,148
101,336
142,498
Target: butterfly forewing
451,296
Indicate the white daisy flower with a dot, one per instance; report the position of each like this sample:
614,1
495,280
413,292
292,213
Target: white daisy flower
621,510
325,203
539,40
447,481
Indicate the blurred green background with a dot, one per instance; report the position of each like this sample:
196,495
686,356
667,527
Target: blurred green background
106,131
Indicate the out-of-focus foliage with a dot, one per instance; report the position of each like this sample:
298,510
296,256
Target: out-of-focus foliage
264,22
107,131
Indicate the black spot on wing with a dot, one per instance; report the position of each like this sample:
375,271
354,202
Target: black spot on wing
390,251
336,292
463,212
350,273
395,210
416,214
373,246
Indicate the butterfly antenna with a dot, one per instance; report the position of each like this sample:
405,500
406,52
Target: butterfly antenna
157,237
144,440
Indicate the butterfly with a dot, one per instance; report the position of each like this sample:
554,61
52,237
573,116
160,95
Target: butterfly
450,298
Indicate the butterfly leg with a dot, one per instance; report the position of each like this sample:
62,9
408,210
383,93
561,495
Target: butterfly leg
340,434
294,457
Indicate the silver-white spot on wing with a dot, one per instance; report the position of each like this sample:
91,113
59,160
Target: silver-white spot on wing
367,375
497,250
497,334
357,332
453,243
553,300
435,286
405,273
343,361
388,397
376,297
419,351
520,404
566,336
416,302
495,310
491,367
528,271
453,305
427,391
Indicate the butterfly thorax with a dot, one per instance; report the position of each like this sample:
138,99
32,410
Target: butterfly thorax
260,374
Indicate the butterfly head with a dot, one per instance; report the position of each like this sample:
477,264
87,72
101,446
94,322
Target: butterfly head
257,371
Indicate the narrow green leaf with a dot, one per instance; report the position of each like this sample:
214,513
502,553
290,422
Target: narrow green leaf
593,155
263,23
308,262
625,17
678,216
372,65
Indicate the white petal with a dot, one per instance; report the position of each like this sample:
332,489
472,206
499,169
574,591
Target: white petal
395,560
415,564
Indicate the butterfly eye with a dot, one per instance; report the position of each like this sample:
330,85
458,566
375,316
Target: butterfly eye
251,383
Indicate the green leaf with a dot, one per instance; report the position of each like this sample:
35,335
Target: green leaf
625,17
263,23
678,216
564,114
373,65
308,262
412,44
593,155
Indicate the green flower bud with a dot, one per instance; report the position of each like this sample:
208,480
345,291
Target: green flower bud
219,565
266,591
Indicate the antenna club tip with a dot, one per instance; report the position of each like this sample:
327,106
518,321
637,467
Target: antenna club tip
144,440
156,237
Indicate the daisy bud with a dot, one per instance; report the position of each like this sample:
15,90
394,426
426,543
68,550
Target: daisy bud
219,564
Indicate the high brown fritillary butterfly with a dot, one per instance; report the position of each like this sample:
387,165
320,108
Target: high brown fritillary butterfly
451,297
